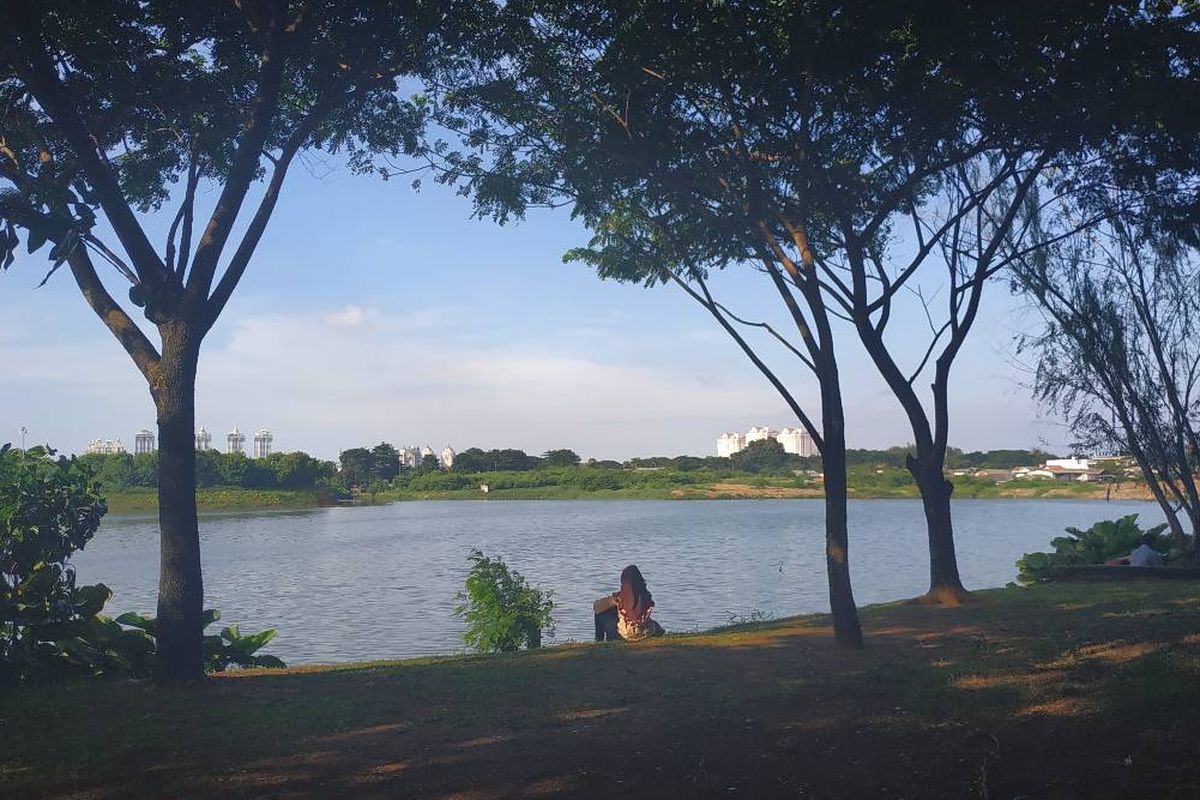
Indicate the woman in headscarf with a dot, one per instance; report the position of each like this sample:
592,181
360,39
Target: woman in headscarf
626,613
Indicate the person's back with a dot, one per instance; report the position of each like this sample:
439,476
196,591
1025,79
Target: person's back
1145,556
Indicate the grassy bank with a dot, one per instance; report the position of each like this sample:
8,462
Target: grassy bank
1058,691
667,484
146,500
590,484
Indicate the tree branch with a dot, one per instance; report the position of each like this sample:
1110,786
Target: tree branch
54,97
258,224
245,163
131,337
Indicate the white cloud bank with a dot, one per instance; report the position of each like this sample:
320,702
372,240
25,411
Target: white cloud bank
354,375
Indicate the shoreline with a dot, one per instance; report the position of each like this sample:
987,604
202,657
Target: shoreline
232,499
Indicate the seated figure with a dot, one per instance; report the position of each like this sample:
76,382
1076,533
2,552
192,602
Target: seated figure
625,614
1144,555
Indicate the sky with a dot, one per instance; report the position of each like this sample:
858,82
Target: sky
373,312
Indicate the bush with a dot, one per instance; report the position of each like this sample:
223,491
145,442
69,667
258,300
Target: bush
228,649
1096,545
49,508
49,627
501,610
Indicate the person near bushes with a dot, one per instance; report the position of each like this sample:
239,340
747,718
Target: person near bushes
1144,555
625,614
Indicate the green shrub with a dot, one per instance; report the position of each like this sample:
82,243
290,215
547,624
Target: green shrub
49,627
228,649
503,613
49,508
1099,543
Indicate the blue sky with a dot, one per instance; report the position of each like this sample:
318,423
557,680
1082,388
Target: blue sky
373,312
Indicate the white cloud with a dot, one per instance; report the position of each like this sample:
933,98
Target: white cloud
348,317
322,384
358,374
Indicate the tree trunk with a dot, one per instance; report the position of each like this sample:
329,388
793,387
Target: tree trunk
945,585
180,584
846,627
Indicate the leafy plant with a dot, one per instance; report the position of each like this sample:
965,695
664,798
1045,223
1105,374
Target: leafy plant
1096,545
502,611
228,649
51,628
49,508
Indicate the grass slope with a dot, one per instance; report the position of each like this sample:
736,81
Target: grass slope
1058,691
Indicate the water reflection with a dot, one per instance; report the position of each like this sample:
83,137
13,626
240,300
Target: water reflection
346,584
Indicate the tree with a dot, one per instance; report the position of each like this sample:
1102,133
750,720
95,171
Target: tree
429,463
1119,353
793,139
210,465
385,463
356,464
762,455
109,105
509,459
471,460
560,458
691,138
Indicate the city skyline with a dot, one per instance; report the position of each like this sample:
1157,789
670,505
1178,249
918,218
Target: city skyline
794,440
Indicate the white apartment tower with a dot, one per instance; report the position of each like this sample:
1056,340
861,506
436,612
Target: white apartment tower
235,441
263,440
105,447
793,440
798,441
448,457
203,439
410,458
730,443
143,442
758,433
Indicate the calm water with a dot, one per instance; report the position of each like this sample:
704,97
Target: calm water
345,584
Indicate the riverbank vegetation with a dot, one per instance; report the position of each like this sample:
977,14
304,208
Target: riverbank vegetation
957,702
298,480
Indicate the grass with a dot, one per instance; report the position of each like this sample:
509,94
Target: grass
1055,691
132,501
587,484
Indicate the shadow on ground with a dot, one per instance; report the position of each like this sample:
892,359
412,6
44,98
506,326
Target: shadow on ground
1071,691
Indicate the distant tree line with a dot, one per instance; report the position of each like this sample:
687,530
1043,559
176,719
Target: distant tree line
362,467
291,471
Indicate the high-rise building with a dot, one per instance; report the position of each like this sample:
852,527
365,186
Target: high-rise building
730,443
235,442
105,447
203,439
262,443
410,457
448,457
798,441
758,432
794,440
143,442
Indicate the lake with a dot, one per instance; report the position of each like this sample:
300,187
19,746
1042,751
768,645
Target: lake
375,582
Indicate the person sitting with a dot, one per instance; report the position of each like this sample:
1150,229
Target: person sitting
1144,555
625,614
